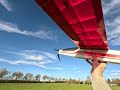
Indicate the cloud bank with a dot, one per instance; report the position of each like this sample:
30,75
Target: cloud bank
112,20
13,28
32,57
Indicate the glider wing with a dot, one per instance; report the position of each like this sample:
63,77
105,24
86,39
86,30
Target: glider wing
81,20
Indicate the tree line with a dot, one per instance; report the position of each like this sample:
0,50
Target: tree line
6,75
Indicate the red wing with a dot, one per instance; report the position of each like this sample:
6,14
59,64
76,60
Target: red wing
81,20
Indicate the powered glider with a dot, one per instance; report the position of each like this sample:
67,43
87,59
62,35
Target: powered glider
83,22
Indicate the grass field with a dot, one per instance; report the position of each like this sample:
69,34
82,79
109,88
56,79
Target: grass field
46,86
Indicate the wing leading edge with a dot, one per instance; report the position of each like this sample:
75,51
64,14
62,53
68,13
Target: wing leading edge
81,20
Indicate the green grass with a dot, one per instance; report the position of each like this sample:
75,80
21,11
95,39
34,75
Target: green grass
46,86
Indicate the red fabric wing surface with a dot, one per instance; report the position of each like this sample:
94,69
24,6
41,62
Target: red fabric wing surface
81,20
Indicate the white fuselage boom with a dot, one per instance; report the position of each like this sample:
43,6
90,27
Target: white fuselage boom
111,56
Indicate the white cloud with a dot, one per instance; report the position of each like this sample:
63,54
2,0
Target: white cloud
112,21
26,62
50,55
113,73
35,55
22,62
113,31
77,72
6,4
32,57
108,6
4,60
29,56
60,68
12,28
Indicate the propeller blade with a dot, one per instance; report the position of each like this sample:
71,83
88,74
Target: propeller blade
56,49
58,57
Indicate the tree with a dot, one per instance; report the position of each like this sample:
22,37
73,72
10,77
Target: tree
37,77
28,76
63,79
116,81
70,80
48,78
3,72
60,79
79,80
45,77
56,79
17,75
52,78
88,80
108,81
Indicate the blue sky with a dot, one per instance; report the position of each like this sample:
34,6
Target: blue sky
28,38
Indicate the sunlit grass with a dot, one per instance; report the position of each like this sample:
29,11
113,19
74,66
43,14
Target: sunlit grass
46,86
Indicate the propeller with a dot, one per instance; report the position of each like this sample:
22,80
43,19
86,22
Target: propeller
58,54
